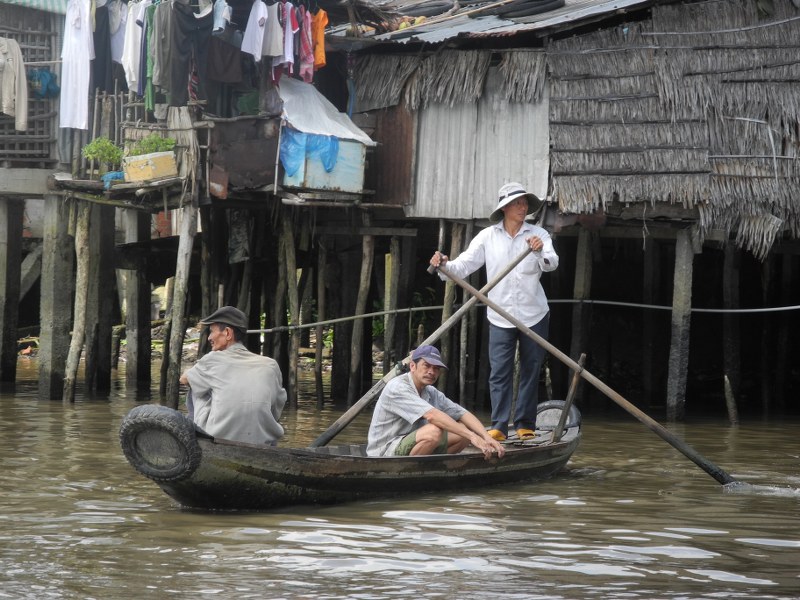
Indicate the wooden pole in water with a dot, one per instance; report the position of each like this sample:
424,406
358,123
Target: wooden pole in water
81,291
367,256
677,443
343,421
287,240
322,259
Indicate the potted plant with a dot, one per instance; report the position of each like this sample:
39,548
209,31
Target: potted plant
150,144
104,152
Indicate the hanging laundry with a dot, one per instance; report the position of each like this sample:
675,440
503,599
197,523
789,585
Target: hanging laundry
306,47
13,84
254,32
117,21
191,34
318,24
222,16
273,33
101,66
285,62
76,55
132,46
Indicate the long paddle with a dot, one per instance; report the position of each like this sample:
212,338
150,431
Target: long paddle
343,421
677,443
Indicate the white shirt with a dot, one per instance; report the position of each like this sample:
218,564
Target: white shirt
519,293
76,54
254,32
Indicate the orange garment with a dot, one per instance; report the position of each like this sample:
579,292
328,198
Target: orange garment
318,23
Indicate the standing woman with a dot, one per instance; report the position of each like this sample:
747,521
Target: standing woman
520,294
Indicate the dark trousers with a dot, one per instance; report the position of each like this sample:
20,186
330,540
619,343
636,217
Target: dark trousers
502,351
190,38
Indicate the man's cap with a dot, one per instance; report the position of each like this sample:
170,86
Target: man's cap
507,194
430,354
227,315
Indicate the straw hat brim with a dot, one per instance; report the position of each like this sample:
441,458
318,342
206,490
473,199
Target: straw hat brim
533,205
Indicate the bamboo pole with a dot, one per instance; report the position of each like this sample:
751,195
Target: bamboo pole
677,443
573,390
81,292
333,430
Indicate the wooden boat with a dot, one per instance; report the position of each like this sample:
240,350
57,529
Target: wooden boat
201,472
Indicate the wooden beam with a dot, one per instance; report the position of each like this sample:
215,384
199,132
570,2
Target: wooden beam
374,231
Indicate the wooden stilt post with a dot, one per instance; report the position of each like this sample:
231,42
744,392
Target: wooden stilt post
11,212
82,252
178,327
367,257
100,299
456,241
279,305
56,297
581,313
785,330
650,280
681,317
390,302
287,240
137,301
466,359
166,336
322,259
730,325
767,336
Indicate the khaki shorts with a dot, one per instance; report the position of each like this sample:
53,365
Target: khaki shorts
407,444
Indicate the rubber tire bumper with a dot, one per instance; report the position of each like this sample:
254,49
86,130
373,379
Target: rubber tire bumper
160,443
548,413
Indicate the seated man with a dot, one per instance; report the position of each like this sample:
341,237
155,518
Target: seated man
236,394
414,418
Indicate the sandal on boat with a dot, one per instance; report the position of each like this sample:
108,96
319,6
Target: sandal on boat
497,435
525,434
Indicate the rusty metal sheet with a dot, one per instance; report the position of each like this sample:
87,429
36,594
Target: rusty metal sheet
391,163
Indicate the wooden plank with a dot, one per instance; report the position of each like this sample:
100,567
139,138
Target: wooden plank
375,231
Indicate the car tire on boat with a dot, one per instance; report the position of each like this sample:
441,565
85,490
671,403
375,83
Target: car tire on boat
549,412
160,443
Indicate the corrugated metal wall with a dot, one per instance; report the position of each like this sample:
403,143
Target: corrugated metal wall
467,151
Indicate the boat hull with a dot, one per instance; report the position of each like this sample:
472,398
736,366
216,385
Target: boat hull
224,475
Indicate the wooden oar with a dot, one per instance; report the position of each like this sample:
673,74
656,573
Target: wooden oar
351,413
677,443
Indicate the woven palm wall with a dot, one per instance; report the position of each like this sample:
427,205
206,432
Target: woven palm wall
697,106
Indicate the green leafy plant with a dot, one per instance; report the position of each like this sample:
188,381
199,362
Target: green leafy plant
152,143
103,151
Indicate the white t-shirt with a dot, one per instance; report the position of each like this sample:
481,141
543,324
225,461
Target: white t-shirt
253,38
